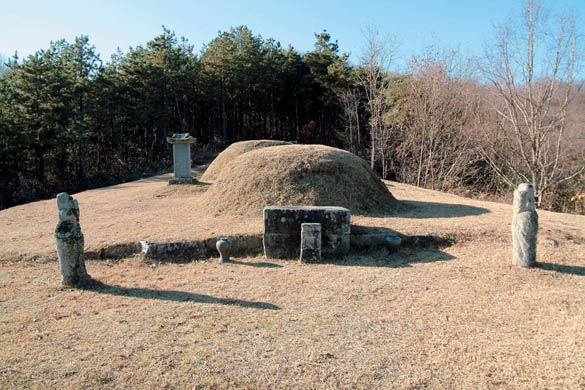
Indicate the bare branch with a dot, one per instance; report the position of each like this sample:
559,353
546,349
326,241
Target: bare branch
533,84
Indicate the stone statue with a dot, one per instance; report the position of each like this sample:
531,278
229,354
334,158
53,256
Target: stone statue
70,242
524,227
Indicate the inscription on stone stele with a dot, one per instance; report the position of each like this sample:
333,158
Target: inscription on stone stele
182,161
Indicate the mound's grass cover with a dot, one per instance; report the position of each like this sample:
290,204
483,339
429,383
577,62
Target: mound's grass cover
311,175
232,152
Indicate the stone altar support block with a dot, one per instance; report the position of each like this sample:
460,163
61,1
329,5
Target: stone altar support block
310,243
282,229
181,157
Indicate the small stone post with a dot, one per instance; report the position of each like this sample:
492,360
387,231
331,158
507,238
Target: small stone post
70,242
524,227
310,243
182,158
392,243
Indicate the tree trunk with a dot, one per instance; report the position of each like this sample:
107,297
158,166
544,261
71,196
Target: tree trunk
223,118
179,111
296,135
40,164
166,126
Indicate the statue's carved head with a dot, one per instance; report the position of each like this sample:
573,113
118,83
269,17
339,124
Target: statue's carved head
524,198
68,207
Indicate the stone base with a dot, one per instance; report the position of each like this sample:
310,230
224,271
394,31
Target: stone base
282,230
189,180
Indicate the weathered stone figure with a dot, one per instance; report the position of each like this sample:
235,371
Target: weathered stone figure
70,242
524,227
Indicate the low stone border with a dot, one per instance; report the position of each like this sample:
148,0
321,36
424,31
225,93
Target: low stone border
253,245
370,241
428,240
115,251
241,246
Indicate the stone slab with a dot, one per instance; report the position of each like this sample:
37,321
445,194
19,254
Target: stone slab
282,229
241,246
285,219
182,161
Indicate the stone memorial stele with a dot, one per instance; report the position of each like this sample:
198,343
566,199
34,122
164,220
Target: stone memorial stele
70,242
524,227
181,158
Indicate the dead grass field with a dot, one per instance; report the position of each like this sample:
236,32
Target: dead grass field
449,318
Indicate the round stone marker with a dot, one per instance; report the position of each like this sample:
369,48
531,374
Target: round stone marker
392,243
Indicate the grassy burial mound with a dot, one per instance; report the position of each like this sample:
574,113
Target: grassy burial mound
311,175
232,152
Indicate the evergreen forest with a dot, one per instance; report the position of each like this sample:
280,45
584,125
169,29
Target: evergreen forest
70,121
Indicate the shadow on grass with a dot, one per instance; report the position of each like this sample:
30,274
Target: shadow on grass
404,257
196,173
172,295
153,179
563,269
261,264
417,209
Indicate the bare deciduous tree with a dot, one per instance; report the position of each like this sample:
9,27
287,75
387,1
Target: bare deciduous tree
436,109
350,99
531,70
373,76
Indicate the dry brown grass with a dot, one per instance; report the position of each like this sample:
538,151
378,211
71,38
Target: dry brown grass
313,175
234,150
460,317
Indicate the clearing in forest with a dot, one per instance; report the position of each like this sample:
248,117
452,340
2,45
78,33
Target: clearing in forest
453,317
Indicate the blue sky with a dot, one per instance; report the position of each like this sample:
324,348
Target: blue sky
27,25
